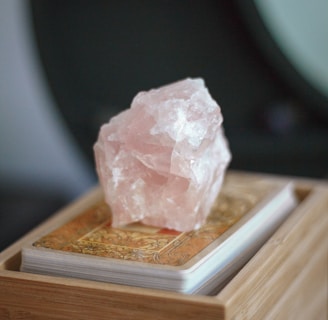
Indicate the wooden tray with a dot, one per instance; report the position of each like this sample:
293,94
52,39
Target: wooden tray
286,279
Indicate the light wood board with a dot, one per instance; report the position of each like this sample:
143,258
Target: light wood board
286,279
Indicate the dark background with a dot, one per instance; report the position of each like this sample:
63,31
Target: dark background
98,54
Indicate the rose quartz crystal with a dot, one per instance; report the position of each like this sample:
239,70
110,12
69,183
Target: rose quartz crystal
162,162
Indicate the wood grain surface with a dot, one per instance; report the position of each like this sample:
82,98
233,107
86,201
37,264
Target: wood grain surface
286,279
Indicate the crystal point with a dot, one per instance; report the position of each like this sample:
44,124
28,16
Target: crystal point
162,162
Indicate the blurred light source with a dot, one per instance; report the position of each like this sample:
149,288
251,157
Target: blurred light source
299,28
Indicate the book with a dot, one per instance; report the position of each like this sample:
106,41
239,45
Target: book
245,214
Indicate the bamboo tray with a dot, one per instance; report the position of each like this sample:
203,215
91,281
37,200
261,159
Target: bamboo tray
286,279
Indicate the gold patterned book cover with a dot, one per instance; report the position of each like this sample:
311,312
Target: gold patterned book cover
244,215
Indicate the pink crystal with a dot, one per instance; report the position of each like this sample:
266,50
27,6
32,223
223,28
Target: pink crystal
162,162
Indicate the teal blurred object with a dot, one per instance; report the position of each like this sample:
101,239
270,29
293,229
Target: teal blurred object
292,34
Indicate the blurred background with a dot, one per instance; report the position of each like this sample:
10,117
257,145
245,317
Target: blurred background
66,67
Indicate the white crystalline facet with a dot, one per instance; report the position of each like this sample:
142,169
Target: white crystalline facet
162,162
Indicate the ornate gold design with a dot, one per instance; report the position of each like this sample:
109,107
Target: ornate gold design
91,232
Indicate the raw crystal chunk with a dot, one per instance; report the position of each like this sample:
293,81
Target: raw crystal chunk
162,162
